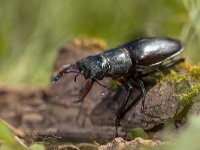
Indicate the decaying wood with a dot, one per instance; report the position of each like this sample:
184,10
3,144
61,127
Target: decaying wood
121,144
117,144
45,111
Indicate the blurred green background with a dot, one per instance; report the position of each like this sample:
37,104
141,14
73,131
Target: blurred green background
32,31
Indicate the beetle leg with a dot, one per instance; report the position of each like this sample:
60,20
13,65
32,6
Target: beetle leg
140,97
120,111
164,68
85,89
140,84
70,68
172,64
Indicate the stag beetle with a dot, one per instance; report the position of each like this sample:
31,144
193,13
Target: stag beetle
128,63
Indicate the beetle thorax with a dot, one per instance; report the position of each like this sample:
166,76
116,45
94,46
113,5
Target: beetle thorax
113,63
118,60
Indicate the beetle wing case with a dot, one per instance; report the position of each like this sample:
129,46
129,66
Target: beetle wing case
153,51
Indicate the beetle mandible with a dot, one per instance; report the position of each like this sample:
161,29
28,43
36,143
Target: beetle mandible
129,62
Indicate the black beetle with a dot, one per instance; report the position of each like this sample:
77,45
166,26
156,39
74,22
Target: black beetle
129,62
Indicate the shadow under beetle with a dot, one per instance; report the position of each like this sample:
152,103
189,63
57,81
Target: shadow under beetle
127,63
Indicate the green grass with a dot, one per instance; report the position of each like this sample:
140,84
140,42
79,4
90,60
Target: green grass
9,141
31,31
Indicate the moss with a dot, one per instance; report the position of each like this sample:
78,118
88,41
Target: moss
178,78
182,87
189,75
186,85
174,77
192,70
195,72
114,84
195,89
184,111
139,132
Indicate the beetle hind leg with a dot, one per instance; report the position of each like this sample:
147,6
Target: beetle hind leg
165,67
172,64
139,83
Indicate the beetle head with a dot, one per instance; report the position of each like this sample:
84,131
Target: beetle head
72,68
94,67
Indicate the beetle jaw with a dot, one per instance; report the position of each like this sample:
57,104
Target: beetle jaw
69,68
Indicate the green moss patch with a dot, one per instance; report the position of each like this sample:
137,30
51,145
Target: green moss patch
195,89
139,132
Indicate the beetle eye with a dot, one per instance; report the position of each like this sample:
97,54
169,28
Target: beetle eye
85,71
81,70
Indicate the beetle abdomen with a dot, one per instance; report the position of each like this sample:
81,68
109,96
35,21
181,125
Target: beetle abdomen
153,51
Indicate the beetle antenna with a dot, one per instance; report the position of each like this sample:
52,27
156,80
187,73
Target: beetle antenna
100,84
105,87
76,76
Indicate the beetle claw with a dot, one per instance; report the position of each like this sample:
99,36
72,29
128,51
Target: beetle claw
70,68
85,90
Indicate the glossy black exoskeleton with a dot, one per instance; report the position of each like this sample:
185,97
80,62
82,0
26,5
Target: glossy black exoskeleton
129,62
